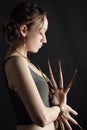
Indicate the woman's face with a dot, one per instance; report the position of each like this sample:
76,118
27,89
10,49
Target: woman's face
36,37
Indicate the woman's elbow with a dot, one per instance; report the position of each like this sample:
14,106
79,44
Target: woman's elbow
42,121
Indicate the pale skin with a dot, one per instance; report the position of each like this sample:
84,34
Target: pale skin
22,82
58,95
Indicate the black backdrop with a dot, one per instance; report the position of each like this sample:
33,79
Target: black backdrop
67,41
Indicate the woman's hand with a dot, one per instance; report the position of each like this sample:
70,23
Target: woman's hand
58,94
64,118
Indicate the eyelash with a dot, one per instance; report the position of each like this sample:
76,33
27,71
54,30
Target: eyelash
42,34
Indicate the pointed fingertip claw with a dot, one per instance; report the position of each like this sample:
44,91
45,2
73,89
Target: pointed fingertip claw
75,71
79,126
59,61
60,70
48,61
59,65
71,81
74,75
50,69
61,76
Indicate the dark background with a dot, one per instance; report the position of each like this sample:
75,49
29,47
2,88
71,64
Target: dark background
67,41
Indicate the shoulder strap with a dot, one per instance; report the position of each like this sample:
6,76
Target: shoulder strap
8,58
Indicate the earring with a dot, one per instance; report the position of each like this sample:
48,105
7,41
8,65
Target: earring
24,42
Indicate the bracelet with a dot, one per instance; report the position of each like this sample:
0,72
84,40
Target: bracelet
61,109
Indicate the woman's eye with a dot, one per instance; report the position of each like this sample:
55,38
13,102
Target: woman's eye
41,33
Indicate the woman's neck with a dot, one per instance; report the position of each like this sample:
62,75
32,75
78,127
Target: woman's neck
21,52
17,49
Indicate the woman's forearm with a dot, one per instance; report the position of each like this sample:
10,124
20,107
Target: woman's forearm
51,114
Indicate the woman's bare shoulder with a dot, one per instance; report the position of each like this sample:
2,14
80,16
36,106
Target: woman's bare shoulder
15,61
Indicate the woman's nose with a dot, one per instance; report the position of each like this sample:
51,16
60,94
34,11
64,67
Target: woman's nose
44,39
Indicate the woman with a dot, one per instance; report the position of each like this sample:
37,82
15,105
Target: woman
25,32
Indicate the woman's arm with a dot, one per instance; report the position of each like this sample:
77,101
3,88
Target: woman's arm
18,75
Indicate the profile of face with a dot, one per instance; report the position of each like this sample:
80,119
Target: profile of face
26,27
36,36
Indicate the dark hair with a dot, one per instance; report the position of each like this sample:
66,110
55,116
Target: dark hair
25,13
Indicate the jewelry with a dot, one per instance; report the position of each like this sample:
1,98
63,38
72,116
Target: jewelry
23,56
24,42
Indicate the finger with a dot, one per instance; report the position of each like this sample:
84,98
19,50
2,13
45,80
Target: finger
68,117
56,124
67,124
79,126
70,83
62,125
75,122
61,77
51,76
71,110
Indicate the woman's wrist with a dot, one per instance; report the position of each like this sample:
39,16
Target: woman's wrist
61,109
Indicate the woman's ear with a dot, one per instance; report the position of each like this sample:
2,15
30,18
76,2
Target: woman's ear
23,30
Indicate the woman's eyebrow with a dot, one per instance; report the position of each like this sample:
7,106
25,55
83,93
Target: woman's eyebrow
45,29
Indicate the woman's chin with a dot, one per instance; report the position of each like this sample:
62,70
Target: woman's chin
35,51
